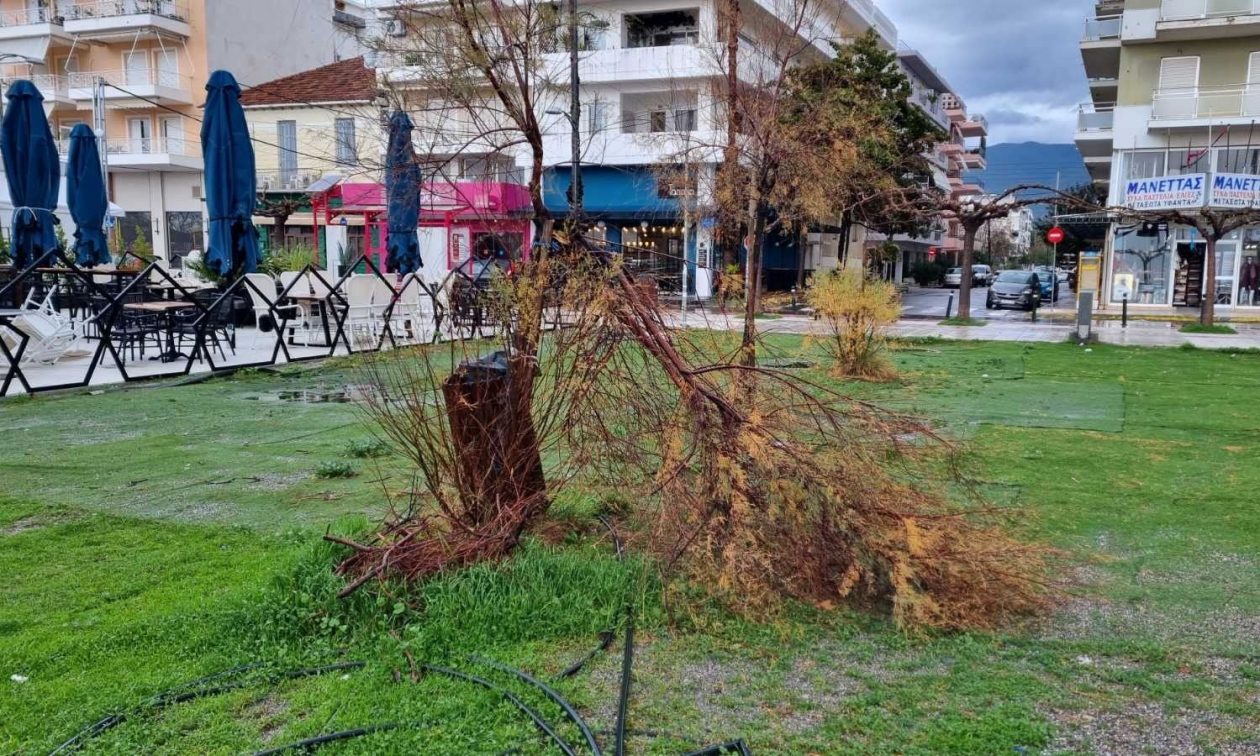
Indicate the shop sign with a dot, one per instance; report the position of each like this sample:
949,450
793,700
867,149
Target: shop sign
1238,190
1167,192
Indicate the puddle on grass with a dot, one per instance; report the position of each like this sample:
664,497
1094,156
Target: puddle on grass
344,395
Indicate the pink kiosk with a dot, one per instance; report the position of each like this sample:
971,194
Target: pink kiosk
455,219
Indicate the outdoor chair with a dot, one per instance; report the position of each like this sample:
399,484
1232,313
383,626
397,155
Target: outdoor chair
360,317
416,311
219,322
262,293
51,335
134,331
383,302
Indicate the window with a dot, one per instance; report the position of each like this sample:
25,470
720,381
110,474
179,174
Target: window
657,121
168,68
1177,96
135,225
679,27
136,65
1141,265
685,119
596,116
347,147
286,132
183,234
1238,161
139,136
173,135
1143,165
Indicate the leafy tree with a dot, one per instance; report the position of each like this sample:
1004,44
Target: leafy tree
892,140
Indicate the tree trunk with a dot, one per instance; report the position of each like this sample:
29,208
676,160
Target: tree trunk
803,246
964,284
752,298
730,157
1207,312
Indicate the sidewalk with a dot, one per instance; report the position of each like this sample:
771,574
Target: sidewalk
1138,333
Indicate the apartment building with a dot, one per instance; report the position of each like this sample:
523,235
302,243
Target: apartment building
1175,88
648,71
963,150
136,70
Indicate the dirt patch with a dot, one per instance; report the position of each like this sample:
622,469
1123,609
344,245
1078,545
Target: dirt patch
269,712
32,522
1148,728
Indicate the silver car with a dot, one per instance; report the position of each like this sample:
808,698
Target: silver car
953,278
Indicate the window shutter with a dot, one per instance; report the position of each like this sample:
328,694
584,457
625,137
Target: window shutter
1253,69
1179,73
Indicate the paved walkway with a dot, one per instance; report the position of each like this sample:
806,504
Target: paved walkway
1149,334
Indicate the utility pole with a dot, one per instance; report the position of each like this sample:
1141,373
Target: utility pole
98,126
575,118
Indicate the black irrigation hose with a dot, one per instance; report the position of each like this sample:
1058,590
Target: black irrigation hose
509,695
310,744
181,693
605,640
623,703
735,746
549,693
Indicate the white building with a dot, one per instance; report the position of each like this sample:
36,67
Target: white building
648,69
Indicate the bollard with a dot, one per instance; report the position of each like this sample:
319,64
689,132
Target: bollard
1124,312
949,307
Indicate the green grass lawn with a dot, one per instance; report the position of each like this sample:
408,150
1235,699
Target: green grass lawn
150,536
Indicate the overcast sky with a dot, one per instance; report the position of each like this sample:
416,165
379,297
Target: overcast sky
1015,61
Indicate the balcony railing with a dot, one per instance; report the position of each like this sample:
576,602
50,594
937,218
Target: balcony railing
92,9
135,77
1235,101
185,145
1098,29
1189,10
50,86
28,16
1096,118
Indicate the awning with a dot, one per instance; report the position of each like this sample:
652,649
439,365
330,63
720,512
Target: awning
940,178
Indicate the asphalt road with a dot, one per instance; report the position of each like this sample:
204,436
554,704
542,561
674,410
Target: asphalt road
931,303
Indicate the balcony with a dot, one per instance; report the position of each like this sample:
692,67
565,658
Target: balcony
173,154
872,17
955,110
287,181
27,32
975,126
1094,130
1104,90
637,64
55,89
1198,107
1208,19
975,160
1100,47
104,19
134,87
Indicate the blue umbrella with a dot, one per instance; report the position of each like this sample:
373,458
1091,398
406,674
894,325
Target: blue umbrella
33,169
230,182
402,185
85,194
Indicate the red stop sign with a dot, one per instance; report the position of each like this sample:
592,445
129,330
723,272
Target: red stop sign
1055,235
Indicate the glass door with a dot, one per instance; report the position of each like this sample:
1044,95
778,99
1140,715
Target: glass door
1226,269
139,136
137,68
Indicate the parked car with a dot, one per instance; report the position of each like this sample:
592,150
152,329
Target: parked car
1015,288
953,278
1063,275
1049,281
982,275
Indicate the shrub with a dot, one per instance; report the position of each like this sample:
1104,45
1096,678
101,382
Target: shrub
336,469
367,448
857,312
928,273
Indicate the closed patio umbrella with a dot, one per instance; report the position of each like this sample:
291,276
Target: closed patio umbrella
85,194
33,170
402,184
230,182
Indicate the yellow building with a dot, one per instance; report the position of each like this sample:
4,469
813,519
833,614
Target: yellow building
313,124
150,59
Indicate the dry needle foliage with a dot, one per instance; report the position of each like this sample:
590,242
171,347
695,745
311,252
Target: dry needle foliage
857,312
752,483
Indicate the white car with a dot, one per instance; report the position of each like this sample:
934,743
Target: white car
953,278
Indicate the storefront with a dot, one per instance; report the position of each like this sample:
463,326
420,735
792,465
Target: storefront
1155,265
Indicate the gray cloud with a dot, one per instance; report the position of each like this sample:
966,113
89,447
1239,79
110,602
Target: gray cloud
1017,61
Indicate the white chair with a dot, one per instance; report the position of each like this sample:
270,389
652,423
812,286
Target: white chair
262,295
51,335
360,316
414,314
286,278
